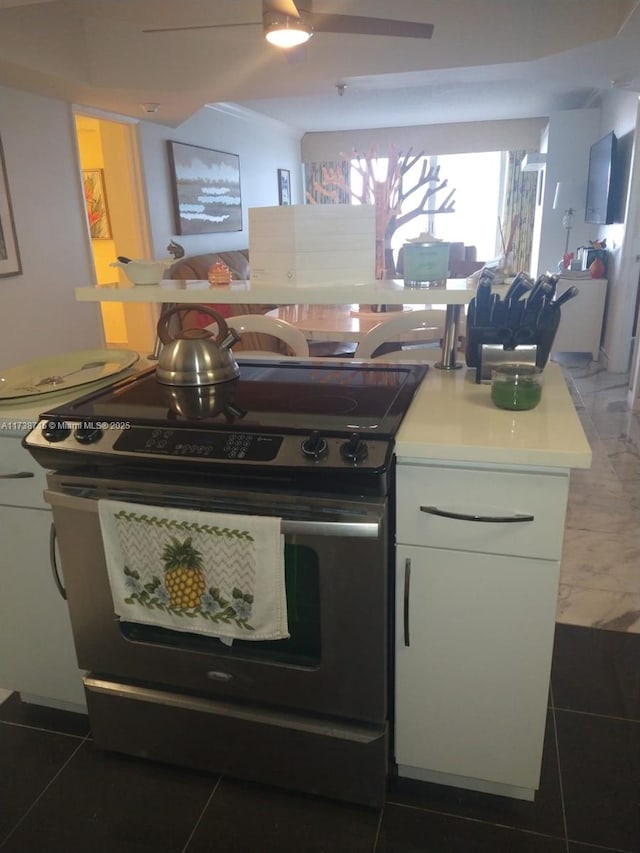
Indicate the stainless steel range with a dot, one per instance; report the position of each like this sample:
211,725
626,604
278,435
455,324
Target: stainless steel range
310,443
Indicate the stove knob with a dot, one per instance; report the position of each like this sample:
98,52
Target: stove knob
355,450
87,434
315,446
56,431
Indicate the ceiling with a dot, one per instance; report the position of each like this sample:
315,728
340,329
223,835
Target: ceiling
488,59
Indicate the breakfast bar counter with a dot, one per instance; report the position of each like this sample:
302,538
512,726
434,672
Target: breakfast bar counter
455,291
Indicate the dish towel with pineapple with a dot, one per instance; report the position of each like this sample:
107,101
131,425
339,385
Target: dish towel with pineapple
210,573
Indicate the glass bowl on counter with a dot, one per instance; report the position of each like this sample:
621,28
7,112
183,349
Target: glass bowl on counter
517,387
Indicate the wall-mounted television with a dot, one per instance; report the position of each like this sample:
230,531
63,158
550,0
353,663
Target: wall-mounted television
601,181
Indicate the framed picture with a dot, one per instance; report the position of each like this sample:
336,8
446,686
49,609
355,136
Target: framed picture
206,189
284,186
95,199
9,254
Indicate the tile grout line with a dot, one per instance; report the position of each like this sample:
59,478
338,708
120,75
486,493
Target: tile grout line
201,815
378,829
18,725
43,792
471,819
557,746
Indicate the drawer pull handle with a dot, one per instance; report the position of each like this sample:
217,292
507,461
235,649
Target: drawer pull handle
407,585
19,475
492,519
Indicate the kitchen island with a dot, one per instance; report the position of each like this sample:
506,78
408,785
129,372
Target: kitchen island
475,609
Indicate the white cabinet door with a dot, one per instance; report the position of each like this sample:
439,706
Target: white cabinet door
472,683
37,655
581,321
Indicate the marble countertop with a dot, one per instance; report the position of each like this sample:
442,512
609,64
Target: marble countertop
453,419
456,291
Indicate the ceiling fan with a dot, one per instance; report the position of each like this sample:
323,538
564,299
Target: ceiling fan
287,24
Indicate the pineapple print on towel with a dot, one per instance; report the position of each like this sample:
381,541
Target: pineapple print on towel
195,571
183,576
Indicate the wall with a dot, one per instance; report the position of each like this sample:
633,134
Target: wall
567,140
461,138
38,312
620,114
263,145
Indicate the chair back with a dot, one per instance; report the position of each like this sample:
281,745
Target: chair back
292,341
415,327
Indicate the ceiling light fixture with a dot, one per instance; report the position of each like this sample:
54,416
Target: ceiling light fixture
285,30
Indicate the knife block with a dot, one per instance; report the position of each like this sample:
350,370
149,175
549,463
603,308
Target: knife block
543,339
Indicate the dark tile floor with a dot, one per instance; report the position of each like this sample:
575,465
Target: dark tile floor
59,793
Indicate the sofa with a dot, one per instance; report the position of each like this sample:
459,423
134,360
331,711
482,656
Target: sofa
197,267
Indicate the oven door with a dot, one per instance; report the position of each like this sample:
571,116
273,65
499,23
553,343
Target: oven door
337,570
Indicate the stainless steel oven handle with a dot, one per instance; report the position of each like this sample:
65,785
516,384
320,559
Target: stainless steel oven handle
344,529
407,599
19,475
54,564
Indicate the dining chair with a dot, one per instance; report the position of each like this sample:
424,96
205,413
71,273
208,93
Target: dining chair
253,327
408,336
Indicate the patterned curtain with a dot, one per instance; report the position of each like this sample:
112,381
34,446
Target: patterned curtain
327,183
519,210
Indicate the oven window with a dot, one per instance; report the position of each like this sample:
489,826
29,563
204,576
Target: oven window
303,648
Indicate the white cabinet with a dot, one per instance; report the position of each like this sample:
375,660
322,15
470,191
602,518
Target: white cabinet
37,655
581,324
475,618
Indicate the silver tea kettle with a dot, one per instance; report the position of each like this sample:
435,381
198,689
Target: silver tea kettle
196,356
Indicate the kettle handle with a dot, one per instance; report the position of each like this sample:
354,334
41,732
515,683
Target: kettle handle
163,324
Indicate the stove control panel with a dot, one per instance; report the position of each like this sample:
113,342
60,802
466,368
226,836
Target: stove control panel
200,444
119,441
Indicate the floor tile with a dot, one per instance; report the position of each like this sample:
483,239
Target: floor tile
596,671
29,760
590,848
108,803
245,817
408,830
14,710
543,815
600,764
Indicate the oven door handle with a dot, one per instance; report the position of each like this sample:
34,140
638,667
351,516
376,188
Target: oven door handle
289,526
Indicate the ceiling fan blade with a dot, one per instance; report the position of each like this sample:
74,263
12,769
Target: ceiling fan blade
356,25
281,7
202,27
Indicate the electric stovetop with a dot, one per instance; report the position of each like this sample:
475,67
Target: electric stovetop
276,395
284,416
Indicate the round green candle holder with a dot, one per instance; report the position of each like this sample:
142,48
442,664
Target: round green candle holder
517,387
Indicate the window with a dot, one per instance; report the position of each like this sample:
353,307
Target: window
478,181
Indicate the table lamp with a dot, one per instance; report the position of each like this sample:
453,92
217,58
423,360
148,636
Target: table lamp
567,193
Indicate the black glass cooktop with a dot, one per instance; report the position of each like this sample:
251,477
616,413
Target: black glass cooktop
268,396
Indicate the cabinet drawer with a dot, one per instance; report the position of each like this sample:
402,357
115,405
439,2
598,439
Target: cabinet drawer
17,490
486,493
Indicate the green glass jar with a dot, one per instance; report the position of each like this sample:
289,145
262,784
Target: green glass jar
516,386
